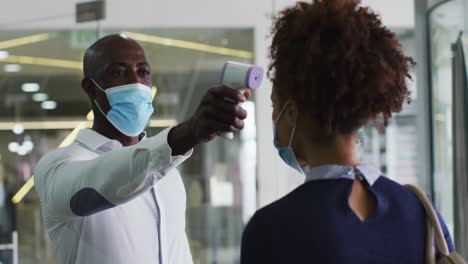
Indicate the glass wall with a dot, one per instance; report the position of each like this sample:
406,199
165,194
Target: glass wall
394,149
42,102
446,21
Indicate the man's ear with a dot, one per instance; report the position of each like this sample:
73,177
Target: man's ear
88,87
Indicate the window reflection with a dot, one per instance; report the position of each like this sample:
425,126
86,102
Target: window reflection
446,21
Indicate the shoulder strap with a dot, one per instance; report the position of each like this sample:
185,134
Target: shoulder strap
432,219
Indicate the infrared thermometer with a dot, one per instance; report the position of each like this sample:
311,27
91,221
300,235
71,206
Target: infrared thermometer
240,76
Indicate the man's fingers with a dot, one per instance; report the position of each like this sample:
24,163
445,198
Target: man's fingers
247,94
226,118
220,112
226,107
225,92
217,127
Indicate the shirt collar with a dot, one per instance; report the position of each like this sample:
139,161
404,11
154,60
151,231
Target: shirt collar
369,173
94,141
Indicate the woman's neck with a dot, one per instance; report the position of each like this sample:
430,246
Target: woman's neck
340,151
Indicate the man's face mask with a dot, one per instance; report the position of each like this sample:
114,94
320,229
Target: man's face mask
131,107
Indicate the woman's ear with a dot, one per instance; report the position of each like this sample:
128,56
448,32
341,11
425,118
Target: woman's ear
292,113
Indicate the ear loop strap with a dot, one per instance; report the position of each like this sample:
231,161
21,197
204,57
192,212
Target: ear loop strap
100,110
94,100
294,127
281,112
98,86
292,136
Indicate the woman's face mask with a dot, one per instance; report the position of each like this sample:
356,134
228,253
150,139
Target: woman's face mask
286,153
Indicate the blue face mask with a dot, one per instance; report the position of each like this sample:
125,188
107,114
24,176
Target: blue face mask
131,107
286,153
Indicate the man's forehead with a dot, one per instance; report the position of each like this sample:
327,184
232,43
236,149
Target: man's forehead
121,49
112,49
122,54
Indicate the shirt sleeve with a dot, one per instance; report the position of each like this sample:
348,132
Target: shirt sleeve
71,187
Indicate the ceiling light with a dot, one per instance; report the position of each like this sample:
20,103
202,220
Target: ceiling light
12,68
49,105
18,129
245,54
71,124
30,87
13,146
40,97
25,40
69,64
23,191
3,54
22,151
90,116
28,145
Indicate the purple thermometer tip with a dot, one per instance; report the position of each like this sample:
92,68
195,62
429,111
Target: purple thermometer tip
254,77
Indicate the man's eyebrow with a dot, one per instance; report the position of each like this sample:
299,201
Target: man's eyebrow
123,64
143,63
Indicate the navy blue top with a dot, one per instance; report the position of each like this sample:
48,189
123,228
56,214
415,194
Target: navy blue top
314,224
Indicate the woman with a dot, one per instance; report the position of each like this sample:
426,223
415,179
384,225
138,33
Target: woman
334,68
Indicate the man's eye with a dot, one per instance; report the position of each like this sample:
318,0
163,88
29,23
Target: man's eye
118,73
145,72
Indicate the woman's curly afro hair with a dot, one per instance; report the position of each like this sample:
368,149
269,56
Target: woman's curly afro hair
338,62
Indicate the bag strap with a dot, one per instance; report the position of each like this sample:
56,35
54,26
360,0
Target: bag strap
432,219
430,250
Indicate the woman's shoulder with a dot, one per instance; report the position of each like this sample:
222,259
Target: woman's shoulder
309,193
391,188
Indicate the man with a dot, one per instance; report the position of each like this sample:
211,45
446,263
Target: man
113,195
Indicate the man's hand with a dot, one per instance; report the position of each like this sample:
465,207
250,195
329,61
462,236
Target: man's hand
218,112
